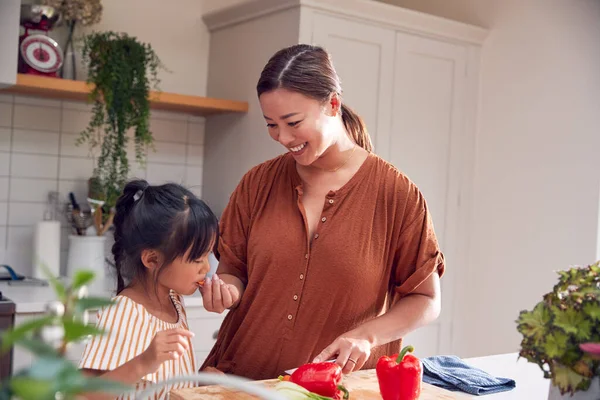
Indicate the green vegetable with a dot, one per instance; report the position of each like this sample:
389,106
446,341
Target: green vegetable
566,317
292,391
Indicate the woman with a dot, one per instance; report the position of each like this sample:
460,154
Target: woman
327,251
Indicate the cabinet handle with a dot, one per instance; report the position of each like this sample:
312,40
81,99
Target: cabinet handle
215,334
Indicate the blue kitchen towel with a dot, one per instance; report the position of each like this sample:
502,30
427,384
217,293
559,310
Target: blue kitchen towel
452,373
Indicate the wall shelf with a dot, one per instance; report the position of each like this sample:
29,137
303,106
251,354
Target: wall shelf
66,89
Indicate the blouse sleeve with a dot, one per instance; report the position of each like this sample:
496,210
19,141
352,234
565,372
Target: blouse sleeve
121,323
234,228
417,254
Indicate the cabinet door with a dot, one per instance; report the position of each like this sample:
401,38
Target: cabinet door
363,56
430,144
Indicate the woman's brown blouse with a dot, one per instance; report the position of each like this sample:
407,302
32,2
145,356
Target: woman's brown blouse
375,244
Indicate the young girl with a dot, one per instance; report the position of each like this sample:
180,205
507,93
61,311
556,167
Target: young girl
163,236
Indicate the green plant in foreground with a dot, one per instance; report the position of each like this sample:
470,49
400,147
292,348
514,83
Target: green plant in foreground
51,376
567,316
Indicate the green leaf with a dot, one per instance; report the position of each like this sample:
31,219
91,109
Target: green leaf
569,320
20,332
76,330
37,347
556,344
82,277
88,303
32,389
48,368
534,324
592,310
566,379
58,287
105,386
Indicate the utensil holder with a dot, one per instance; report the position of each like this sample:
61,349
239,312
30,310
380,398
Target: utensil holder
87,252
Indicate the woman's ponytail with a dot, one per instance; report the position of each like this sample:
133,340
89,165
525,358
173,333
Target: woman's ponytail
356,128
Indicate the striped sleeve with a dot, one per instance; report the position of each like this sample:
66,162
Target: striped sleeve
122,338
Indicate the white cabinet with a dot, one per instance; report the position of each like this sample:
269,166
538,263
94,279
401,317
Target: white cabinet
412,77
10,11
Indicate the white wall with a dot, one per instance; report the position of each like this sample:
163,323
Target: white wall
537,180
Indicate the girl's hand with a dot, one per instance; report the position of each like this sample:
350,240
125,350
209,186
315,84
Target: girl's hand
167,345
217,295
351,352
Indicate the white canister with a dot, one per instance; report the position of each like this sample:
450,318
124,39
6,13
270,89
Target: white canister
87,252
46,249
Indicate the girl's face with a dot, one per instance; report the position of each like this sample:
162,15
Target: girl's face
183,276
301,124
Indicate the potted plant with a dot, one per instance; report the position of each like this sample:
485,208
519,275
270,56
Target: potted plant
51,376
122,72
558,329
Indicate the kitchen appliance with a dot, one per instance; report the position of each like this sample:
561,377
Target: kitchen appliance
7,321
38,53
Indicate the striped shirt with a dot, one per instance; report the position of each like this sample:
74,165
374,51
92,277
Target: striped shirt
129,329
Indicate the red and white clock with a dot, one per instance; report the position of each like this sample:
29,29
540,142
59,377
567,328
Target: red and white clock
42,55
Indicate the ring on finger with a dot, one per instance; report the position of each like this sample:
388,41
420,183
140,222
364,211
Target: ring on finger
353,361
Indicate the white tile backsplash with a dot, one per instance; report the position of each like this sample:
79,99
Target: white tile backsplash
25,214
75,121
167,153
27,189
68,146
35,142
38,155
3,213
196,133
4,164
4,188
6,114
195,155
36,101
77,105
6,98
5,139
76,168
169,130
162,173
36,118
20,237
34,166
3,231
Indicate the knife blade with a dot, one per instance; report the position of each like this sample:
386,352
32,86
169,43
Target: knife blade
291,371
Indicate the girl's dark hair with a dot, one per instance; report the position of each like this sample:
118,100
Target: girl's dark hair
167,218
308,70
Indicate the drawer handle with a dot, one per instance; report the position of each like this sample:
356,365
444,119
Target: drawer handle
215,334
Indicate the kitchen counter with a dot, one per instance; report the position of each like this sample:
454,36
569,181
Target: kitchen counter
531,384
32,299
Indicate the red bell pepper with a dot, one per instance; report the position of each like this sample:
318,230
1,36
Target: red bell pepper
321,378
400,376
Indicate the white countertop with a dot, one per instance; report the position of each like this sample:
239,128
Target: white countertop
529,378
33,298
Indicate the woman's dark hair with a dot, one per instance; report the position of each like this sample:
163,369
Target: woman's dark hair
167,218
308,70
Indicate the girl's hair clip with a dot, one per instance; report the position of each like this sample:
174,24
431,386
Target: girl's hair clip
138,195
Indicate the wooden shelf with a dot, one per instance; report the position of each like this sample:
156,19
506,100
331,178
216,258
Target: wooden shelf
66,89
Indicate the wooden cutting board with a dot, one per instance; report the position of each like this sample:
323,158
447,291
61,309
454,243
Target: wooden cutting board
362,385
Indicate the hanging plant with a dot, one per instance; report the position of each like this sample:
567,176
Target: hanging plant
123,71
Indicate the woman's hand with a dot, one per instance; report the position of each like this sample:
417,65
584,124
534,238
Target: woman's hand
167,345
352,352
217,295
